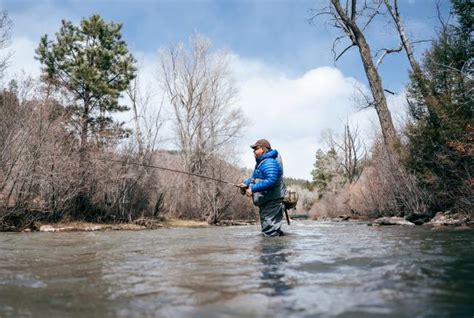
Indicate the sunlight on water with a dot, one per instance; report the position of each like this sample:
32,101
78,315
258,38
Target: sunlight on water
318,269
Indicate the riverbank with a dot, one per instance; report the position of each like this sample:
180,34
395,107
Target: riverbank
137,225
440,220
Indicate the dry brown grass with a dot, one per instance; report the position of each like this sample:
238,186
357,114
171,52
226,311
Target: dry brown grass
383,189
332,204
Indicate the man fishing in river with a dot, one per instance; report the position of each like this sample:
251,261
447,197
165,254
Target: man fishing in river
266,187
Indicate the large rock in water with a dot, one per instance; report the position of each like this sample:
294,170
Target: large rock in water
394,220
419,218
448,219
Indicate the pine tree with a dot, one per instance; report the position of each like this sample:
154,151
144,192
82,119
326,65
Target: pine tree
440,140
92,62
326,170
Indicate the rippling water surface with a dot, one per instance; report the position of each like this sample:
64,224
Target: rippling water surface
317,270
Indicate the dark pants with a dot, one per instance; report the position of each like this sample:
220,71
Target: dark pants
271,216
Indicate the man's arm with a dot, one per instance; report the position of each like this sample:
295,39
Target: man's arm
271,171
249,180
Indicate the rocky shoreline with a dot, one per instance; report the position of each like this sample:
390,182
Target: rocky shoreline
440,220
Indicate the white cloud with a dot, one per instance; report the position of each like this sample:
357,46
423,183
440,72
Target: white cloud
23,60
293,112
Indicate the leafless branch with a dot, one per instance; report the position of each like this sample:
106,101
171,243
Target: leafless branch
344,51
372,16
421,41
443,21
367,102
386,52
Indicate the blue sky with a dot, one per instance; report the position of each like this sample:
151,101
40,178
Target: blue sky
274,38
277,32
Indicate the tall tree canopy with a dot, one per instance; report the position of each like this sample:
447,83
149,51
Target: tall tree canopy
441,140
92,62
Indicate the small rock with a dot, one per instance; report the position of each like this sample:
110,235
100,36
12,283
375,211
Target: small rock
344,217
418,218
47,228
94,227
148,223
395,220
438,216
35,226
449,219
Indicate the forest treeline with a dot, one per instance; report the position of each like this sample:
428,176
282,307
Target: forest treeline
430,168
65,155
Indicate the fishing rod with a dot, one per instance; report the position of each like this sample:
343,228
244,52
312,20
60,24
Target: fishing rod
167,169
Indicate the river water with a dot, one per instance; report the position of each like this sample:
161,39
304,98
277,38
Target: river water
317,270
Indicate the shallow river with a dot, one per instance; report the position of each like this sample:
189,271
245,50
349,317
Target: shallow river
317,270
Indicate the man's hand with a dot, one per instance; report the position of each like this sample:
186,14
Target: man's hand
248,192
242,186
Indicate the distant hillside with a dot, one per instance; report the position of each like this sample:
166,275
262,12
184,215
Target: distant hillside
305,184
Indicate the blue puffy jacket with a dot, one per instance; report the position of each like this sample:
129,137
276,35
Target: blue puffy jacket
267,178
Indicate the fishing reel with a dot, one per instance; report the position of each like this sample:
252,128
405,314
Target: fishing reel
243,190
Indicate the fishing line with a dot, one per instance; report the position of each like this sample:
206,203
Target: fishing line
166,169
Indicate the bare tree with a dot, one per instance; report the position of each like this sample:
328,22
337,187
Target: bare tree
346,19
142,183
5,31
201,92
35,171
147,117
350,150
430,100
134,95
353,153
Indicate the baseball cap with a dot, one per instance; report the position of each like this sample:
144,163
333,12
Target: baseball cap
261,143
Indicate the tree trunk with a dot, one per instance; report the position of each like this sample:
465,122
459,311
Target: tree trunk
132,93
84,131
385,118
430,101
388,130
81,200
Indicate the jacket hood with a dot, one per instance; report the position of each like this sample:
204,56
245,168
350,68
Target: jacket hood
270,154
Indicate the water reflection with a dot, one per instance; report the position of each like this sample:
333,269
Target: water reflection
274,254
59,273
